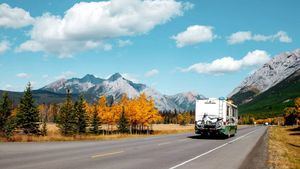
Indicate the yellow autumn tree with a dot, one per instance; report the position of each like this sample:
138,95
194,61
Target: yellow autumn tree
140,112
184,118
297,104
146,113
130,110
88,108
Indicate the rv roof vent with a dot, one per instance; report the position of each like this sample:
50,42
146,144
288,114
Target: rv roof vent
222,98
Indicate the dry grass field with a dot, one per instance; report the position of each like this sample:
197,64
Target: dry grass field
53,134
284,147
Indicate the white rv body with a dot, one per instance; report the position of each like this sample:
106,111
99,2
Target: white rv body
217,116
217,108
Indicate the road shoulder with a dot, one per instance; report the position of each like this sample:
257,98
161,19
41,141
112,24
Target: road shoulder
257,158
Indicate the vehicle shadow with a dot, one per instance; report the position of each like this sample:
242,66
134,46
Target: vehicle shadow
213,137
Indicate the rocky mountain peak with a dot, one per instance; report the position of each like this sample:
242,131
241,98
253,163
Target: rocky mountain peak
90,78
116,86
114,77
277,69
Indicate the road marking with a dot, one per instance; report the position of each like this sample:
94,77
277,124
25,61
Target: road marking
160,144
107,154
192,159
185,139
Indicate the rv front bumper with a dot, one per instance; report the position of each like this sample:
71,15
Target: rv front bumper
203,129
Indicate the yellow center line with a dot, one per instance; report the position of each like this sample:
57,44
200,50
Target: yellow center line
107,154
160,144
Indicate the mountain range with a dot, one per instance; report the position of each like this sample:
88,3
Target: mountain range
268,90
116,86
272,87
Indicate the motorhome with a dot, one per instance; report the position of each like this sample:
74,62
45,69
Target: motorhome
216,116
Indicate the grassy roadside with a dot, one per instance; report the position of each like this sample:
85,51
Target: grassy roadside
284,147
54,134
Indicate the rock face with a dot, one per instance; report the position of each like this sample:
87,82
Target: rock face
116,86
270,74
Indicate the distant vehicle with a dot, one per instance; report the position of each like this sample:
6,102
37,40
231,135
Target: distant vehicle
266,123
216,117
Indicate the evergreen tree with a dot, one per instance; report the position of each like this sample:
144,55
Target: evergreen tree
95,122
123,123
80,115
9,127
67,121
28,114
5,110
7,121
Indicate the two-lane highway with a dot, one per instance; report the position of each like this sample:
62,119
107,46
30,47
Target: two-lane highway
155,152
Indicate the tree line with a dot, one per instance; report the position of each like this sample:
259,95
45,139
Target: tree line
25,117
177,117
134,116
289,116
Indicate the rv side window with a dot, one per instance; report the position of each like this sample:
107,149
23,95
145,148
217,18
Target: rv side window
234,112
227,111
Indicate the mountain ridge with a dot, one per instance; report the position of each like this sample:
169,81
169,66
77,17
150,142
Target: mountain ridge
270,74
116,86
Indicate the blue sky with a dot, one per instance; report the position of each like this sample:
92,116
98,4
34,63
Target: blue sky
227,40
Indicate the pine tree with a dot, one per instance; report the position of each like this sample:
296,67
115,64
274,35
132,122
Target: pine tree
123,123
7,121
95,122
80,115
9,127
28,114
5,110
67,121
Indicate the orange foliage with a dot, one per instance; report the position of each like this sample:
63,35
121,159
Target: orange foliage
138,111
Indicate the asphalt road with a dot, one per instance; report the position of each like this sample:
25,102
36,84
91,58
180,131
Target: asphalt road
180,151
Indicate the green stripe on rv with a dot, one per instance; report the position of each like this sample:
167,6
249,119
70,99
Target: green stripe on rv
229,130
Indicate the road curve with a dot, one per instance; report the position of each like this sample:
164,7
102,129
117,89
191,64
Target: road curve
180,151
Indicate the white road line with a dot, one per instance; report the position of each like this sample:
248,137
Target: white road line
107,154
185,139
178,165
160,144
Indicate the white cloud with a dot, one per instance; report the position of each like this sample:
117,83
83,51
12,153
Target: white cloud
23,75
239,37
123,43
65,75
283,37
14,17
242,36
4,46
151,73
30,46
229,64
88,23
193,35
256,57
